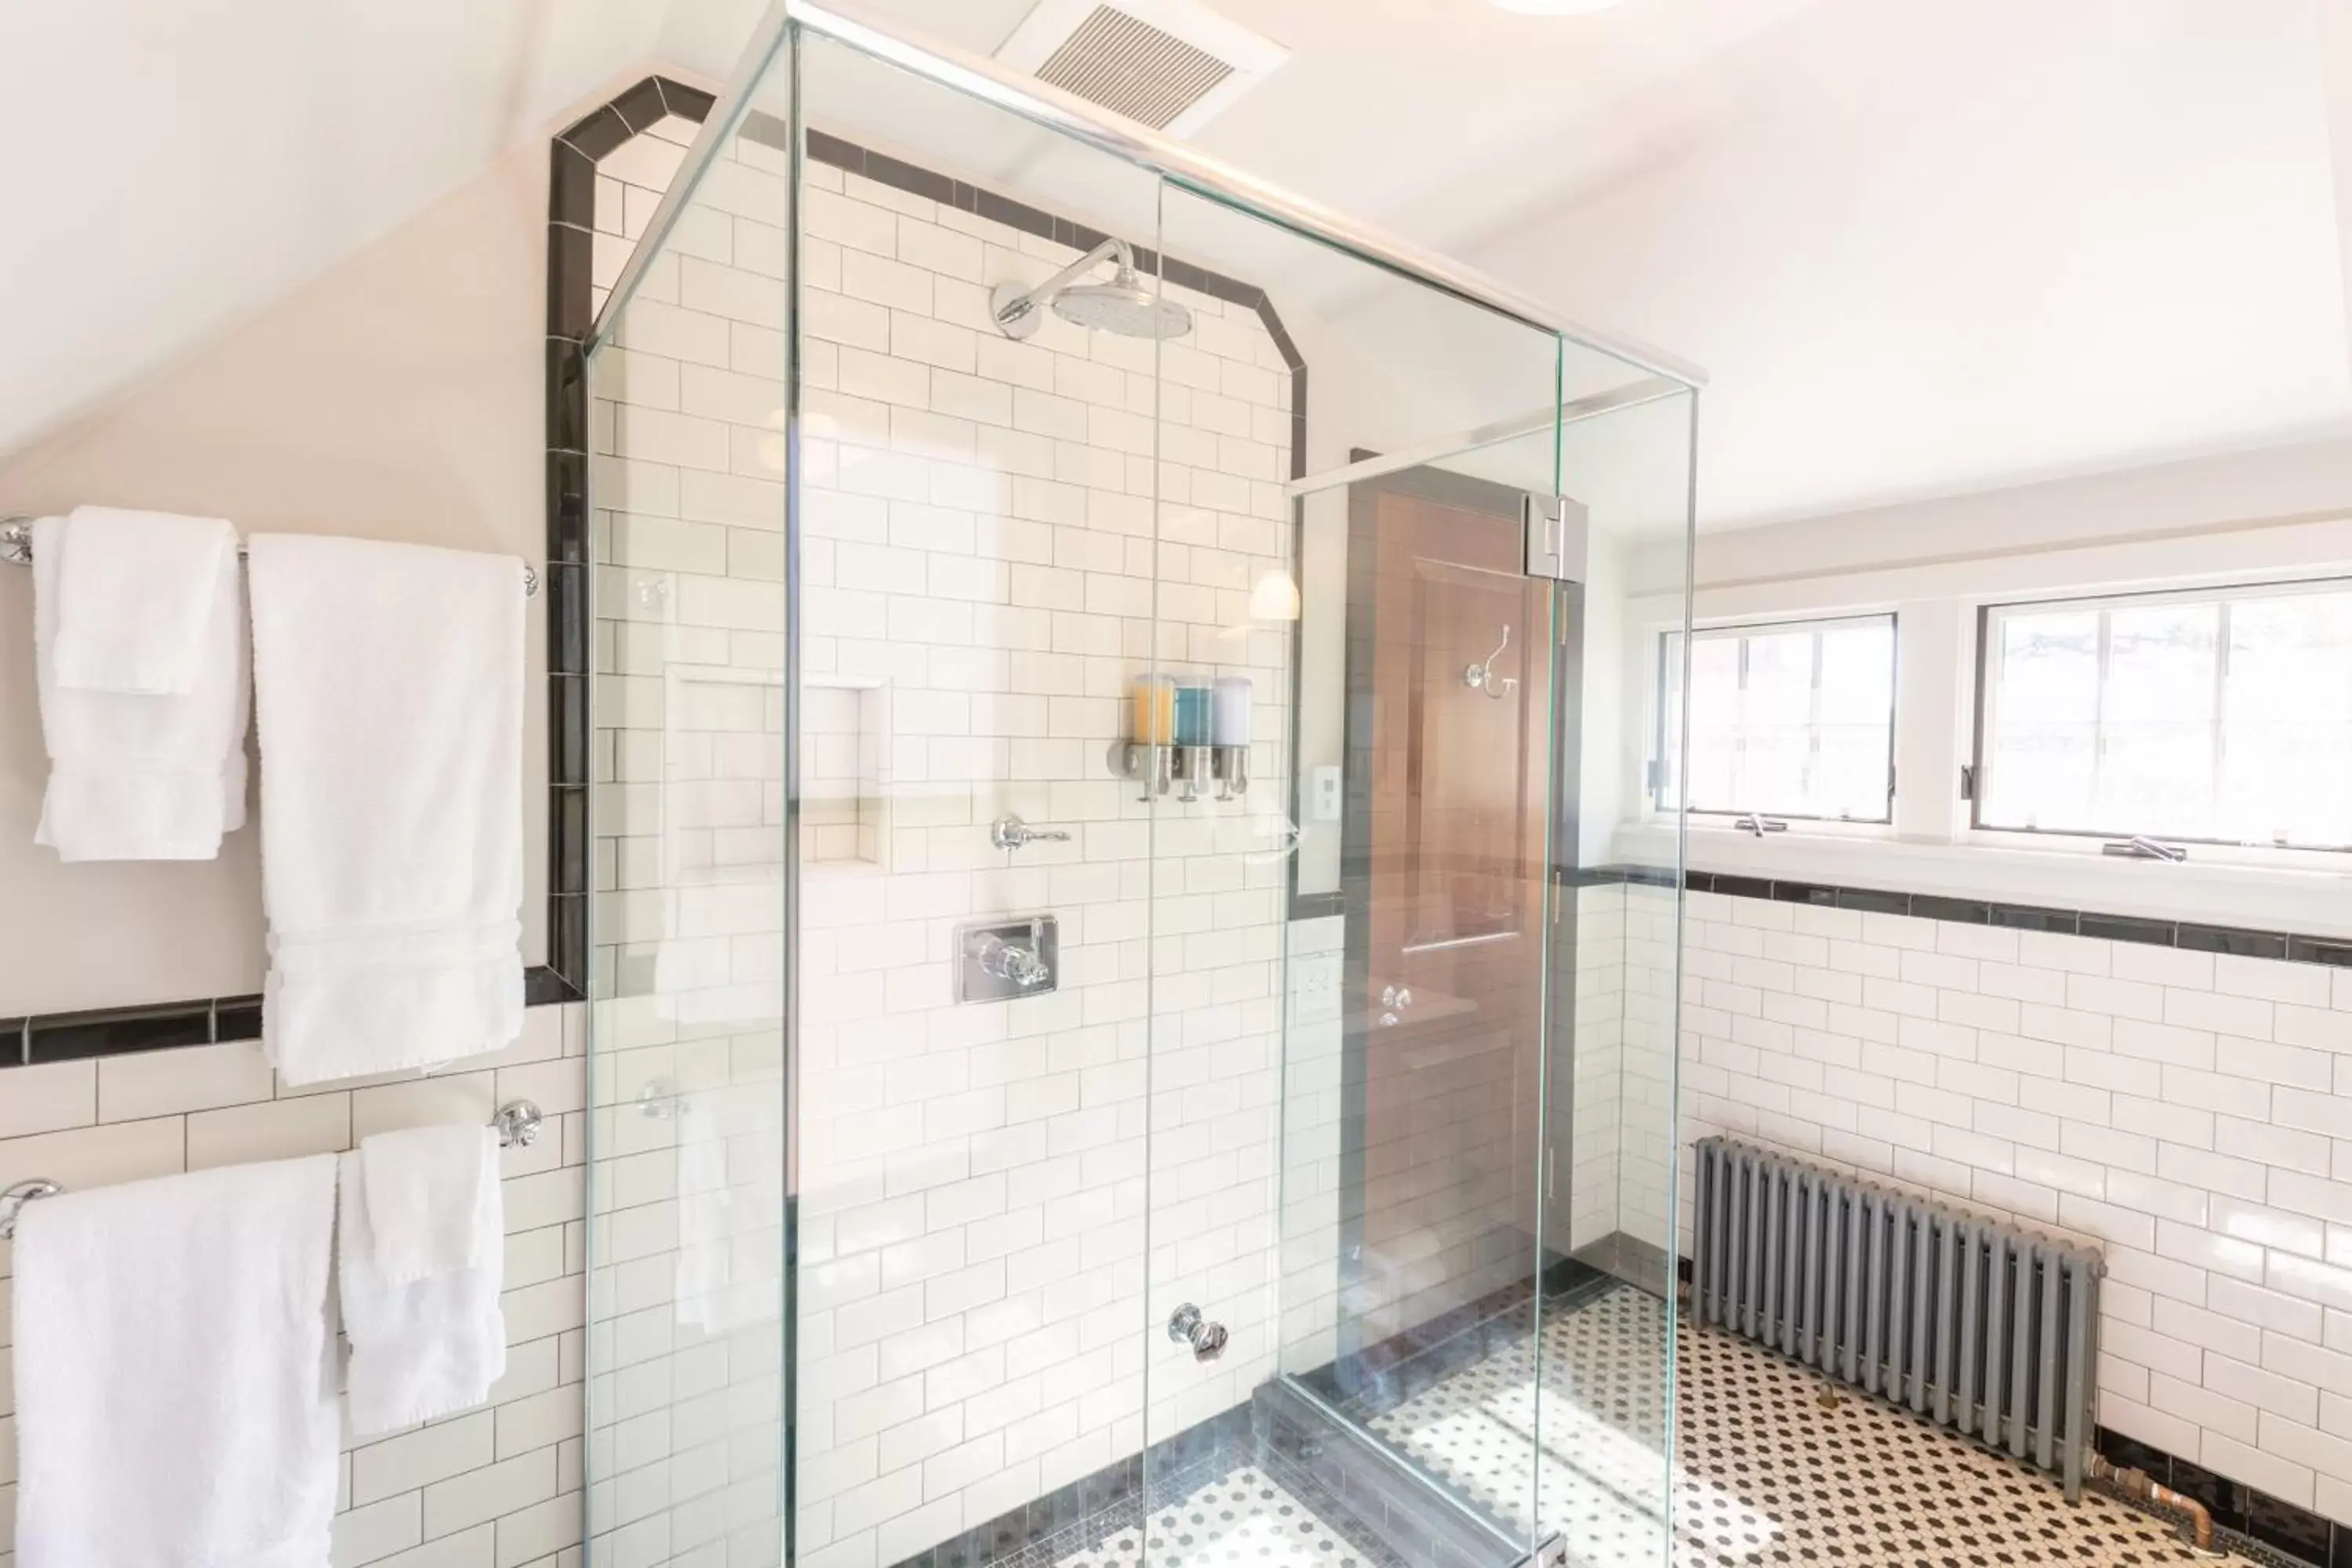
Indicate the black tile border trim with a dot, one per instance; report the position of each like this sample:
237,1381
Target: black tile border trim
2334,952
46,1037
2241,1514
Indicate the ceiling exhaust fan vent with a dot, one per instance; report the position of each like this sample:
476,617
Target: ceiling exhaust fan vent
1170,64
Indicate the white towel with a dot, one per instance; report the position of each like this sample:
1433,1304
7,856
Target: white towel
388,680
175,1400
429,1346
136,598
424,1186
137,775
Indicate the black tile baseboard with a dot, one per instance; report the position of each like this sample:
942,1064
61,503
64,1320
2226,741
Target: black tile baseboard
2288,1530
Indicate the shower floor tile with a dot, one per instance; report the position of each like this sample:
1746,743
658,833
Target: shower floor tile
1239,1520
1774,1464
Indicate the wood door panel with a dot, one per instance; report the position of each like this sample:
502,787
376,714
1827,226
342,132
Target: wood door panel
1454,785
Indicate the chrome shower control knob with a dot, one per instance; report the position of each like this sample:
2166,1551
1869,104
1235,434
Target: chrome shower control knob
1011,962
1186,1326
1396,996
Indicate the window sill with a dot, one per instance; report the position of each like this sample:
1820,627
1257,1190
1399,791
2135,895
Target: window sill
2208,893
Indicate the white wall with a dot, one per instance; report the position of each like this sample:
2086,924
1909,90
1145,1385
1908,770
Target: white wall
400,396
2183,1111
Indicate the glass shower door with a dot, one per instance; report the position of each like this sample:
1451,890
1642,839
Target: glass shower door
1351,925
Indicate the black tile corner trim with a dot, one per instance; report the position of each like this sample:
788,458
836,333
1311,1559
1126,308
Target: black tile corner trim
571,314
2334,952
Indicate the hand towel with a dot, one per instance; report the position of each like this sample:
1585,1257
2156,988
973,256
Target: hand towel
175,1397
135,599
388,684
423,1189
424,1347
139,775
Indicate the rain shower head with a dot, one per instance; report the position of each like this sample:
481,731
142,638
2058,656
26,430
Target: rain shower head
1124,305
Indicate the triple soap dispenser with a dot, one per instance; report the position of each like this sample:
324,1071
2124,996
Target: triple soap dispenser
1189,734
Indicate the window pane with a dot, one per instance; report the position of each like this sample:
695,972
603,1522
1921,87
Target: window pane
2042,750
1776,728
1793,720
1849,775
2157,767
1714,755
2224,719
2286,741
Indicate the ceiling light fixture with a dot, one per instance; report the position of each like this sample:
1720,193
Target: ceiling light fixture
1557,8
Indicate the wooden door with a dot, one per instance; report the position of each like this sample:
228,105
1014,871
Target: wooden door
1449,748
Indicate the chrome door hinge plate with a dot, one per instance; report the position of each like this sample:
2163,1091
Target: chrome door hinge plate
1559,536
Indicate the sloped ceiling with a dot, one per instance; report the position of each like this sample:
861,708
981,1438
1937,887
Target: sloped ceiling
1921,248
169,169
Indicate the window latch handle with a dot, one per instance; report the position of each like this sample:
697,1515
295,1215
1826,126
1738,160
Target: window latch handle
2141,848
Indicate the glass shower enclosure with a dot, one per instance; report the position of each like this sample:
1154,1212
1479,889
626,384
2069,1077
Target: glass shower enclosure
1135,981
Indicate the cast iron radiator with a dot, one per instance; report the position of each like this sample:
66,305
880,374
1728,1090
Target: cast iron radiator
1978,1325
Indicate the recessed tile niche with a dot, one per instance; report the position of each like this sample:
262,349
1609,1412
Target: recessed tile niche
845,752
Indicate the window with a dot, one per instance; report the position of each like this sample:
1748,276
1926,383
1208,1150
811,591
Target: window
2220,716
1793,719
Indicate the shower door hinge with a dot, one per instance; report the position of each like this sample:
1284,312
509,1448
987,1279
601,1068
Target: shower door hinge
1967,780
1654,775
1558,534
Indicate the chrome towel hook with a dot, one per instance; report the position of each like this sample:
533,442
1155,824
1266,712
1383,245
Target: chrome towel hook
1481,676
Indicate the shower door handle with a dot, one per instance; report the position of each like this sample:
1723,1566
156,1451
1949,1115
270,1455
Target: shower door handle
1186,1326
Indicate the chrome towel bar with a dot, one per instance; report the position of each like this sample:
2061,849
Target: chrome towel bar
518,1122
16,550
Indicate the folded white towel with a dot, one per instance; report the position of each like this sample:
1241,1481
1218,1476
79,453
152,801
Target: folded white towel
136,598
175,1398
422,1186
427,1346
388,680
139,775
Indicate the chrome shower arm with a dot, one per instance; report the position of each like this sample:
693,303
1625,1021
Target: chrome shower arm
1020,305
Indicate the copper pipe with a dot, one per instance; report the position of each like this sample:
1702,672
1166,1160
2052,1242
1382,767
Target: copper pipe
2140,1487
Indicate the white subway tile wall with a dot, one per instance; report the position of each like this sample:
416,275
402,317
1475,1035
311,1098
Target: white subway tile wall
499,1487
2190,1113
992,532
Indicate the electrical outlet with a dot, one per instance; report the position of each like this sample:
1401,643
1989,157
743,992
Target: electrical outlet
1326,800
